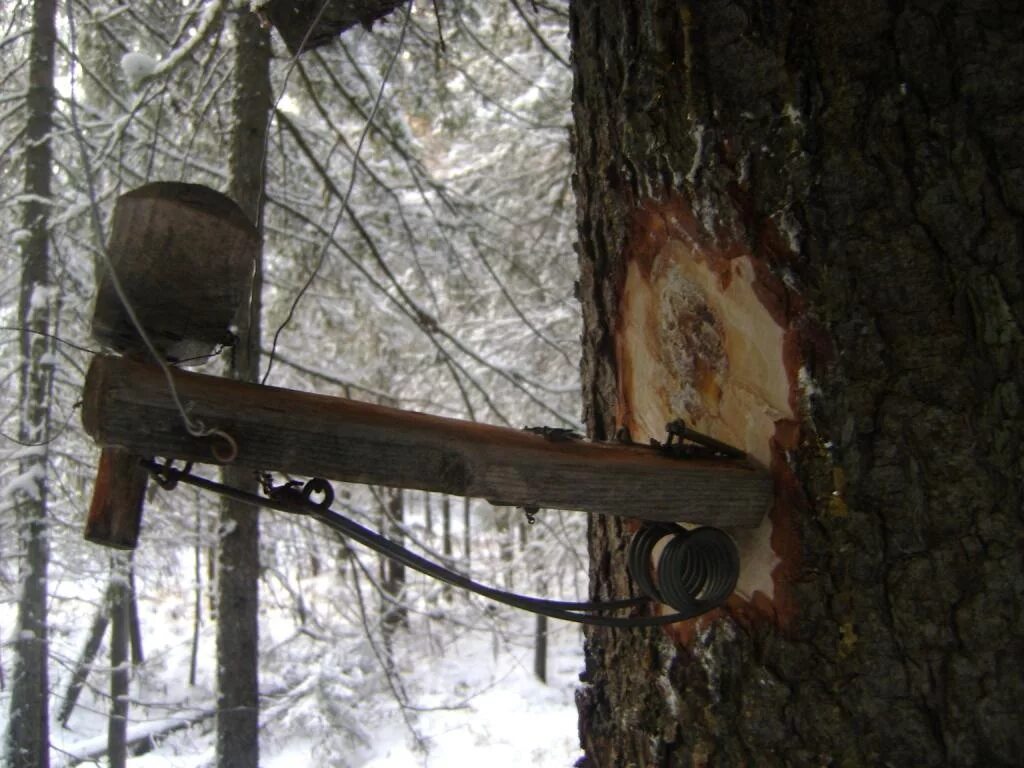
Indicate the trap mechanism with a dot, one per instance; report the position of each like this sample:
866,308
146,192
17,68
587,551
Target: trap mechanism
694,572
180,256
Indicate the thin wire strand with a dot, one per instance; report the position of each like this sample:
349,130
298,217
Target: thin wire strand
51,439
53,336
292,63
194,427
348,193
581,613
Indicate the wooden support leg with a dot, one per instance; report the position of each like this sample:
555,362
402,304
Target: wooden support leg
115,514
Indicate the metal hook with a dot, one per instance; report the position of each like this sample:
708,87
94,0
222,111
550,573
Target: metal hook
222,456
166,476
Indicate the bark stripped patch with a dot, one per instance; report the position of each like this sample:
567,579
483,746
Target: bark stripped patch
707,333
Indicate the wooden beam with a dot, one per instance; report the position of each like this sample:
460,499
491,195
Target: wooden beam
128,404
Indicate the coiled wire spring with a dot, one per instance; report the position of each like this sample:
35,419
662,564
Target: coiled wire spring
696,569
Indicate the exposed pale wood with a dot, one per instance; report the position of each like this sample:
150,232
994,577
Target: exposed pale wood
127,404
184,254
118,496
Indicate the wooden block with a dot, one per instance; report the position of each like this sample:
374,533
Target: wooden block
115,514
184,255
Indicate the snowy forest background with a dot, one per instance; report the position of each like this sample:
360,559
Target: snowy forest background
446,286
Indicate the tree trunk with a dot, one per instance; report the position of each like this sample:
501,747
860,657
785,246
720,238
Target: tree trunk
540,648
394,614
446,540
238,556
120,638
27,737
467,539
446,529
134,622
848,177
506,534
197,599
83,668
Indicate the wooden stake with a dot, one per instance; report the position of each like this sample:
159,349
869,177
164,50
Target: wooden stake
118,495
128,404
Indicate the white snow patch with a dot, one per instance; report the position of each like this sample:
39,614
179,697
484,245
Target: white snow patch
26,483
789,228
41,296
137,67
807,384
698,137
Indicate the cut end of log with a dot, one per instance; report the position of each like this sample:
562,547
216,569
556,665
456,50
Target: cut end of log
184,256
703,336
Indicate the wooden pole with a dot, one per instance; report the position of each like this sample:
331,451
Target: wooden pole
118,497
128,404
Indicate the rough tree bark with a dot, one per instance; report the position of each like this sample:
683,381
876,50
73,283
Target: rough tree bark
860,164
238,553
27,741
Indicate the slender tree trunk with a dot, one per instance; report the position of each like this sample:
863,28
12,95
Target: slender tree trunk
446,528
83,668
27,737
506,543
134,622
467,543
394,614
120,640
197,602
238,556
446,539
854,166
540,648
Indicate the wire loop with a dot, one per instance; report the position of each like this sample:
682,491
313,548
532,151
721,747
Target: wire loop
216,448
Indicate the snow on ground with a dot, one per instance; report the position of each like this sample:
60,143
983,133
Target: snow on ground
471,695
509,719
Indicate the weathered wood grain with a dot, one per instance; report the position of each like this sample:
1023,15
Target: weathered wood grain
184,255
127,404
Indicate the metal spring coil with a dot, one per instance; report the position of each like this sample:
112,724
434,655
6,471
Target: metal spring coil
697,569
